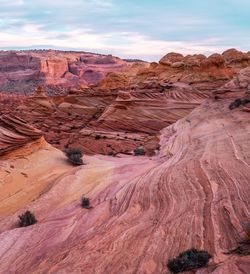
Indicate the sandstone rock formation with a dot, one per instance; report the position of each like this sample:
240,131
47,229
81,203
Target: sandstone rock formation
236,58
15,133
241,80
127,108
149,107
59,72
194,193
198,70
123,119
22,71
190,190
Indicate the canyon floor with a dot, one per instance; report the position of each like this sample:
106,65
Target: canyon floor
190,117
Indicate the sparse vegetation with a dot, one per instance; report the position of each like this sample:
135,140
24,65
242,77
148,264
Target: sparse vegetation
111,153
238,102
158,147
74,156
235,104
188,260
139,151
85,202
98,137
27,219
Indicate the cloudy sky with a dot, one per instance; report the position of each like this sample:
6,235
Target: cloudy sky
145,29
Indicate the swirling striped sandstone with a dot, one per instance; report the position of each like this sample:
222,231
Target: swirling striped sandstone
149,109
193,194
15,132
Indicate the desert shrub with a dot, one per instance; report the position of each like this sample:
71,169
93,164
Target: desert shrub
158,147
98,137
188,260
139,151
85,202
235,104
26,219
74,156
111,153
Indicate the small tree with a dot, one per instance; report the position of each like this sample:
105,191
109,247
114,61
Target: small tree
188,260
85,202
27,219
139,151
74,156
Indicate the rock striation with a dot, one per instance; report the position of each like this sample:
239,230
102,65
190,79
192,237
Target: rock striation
15,133
145,211
127,106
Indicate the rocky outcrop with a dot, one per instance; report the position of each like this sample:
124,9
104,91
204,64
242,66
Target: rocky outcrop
127,108
200,71
149,107
241,80
145,211
236,58
231,58
59,71
15,133
108,121
23,71
171,58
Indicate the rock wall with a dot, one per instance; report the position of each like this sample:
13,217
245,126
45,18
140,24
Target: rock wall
23,71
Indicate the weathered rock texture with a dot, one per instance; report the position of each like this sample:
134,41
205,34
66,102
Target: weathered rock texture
198,70
108,122
191,192
128,107
14,133
241,80
22,71
59,71
194,193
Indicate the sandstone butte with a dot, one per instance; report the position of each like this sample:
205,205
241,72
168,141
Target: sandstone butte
21,71
190,190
